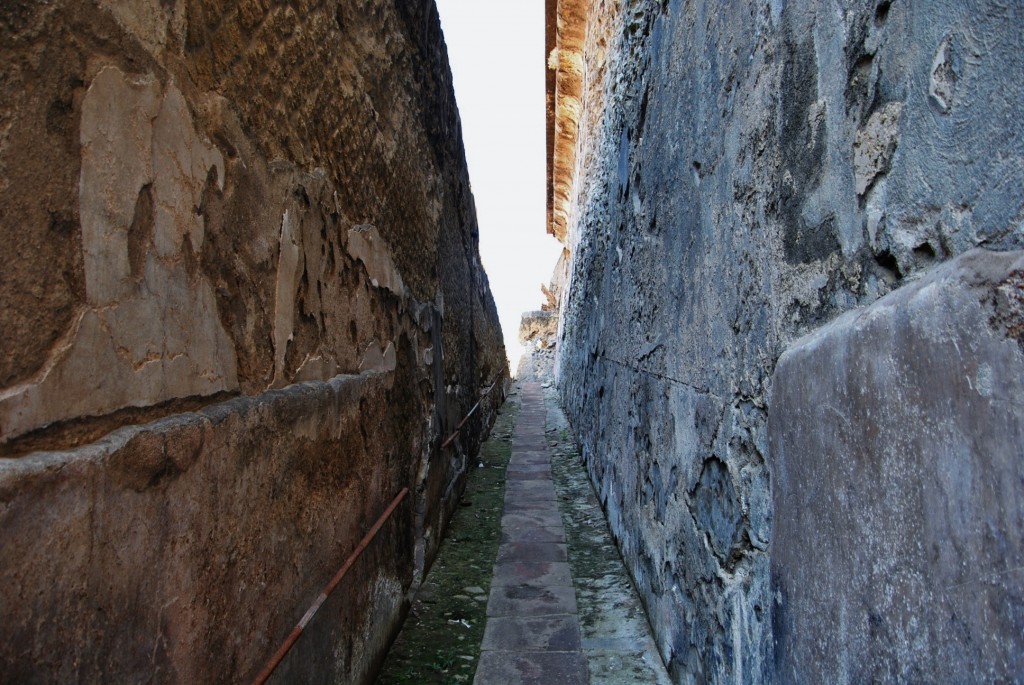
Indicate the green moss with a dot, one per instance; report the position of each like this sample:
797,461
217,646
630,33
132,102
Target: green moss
440,641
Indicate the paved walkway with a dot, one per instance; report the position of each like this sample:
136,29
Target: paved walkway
543,597
533,631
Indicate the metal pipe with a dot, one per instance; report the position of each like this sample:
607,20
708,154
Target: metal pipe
328,589
463,422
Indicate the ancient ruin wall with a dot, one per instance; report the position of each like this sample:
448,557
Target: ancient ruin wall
251,223
755,170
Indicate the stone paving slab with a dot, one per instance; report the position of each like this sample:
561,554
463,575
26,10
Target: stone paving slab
521,452
523,467
547,573
539,474
514,487
529,462
530,465
523,491
531,504
533,534
531,668
531,551
549,633
531,599
526,515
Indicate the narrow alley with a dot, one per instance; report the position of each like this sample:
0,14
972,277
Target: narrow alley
552,602
258,418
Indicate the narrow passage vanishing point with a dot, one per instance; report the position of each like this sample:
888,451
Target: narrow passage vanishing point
533,632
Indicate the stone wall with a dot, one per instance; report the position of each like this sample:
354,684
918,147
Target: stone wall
746,173
538,328
202,201
896,436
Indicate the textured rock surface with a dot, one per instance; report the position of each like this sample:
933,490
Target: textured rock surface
566,27
745,173
186,549
895,436
203,200
539,328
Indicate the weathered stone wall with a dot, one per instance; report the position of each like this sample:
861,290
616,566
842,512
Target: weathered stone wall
896,437
204,200
755,170
539,328
184,550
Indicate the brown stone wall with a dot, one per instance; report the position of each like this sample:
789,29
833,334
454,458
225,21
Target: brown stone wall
211,200
186,549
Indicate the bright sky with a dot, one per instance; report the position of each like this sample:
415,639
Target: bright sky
496,49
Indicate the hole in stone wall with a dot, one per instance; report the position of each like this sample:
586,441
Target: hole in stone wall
58,116
862,67
882,13
887,262
140,232
643,111
62,223
716,509
925,251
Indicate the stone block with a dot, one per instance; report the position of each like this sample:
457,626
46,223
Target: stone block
531,668
896,437
133,557
531,599
543,633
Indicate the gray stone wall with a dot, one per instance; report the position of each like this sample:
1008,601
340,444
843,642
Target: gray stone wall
897,436
756,170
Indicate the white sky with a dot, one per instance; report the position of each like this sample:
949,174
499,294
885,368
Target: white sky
496,49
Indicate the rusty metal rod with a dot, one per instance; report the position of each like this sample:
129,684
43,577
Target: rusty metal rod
463,422
328,589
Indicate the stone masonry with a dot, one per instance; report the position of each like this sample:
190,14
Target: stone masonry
728,179
241,306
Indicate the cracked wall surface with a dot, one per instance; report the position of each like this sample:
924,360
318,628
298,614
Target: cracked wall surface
745,174
206,205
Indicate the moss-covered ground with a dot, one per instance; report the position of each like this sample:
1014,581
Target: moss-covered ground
616,636
440,641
